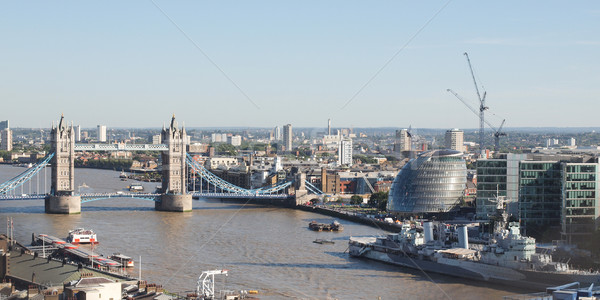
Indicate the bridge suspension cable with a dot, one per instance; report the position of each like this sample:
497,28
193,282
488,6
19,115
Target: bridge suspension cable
312,188
25,176
229,187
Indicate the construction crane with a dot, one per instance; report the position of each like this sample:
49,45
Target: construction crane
497,132
482,108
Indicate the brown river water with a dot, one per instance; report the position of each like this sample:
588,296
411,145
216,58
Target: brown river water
268,249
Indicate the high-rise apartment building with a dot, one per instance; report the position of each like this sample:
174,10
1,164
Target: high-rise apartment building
4,125
6,140
78,133
345,152
102,133
403,141
287,137
156,139
277,133
454,139
235,140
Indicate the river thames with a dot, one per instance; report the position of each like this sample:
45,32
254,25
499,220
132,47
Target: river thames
269,249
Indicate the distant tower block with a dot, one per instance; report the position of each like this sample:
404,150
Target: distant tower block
62,199
174,175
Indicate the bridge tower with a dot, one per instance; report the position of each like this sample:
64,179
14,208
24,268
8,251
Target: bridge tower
174,171
62,199
302,196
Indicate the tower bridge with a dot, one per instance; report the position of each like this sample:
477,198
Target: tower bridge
177,166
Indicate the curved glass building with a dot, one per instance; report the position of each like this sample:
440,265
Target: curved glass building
433,182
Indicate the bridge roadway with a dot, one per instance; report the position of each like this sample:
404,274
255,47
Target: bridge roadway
150,196
121,147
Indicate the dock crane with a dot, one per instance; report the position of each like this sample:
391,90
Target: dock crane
497,132
482,107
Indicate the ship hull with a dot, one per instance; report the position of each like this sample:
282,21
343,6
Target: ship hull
477,271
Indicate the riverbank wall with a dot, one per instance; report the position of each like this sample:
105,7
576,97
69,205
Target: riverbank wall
345,215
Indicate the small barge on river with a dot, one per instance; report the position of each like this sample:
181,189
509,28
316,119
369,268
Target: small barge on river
334,226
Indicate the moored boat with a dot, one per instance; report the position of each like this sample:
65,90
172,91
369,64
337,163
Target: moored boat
334,226
82,236
123,259
322,241
507,258
136,187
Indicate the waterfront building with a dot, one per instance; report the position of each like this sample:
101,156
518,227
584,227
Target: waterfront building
454,139
433,182
555,196
498,176
6,139
287,137
101,133
345,152
580,203
540,197
403,141
239,175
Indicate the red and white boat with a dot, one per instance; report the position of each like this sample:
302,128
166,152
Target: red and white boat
82,236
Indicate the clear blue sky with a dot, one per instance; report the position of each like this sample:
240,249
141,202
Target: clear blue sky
124,64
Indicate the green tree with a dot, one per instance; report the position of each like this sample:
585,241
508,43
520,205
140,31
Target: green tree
365,159
382,206
5,155
379,200
227,149
356,200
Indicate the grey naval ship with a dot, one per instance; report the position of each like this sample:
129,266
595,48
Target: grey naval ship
506,258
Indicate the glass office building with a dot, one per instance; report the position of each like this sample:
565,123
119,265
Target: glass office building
540,197
433,182
498,177
579,200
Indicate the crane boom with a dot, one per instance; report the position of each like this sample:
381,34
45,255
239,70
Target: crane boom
463,101
482,107
473,75
497,132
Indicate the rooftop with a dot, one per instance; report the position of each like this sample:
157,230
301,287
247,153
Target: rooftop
48,272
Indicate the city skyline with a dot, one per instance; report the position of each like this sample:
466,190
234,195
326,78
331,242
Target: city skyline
264,64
